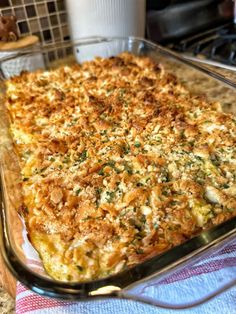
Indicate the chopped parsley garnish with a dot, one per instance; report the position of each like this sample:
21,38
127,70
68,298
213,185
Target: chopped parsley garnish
98,192
83,156
124,212
110,163
101,172
199,158
165,176
225,186
128,169
125,149
78,191
103,132
165,193
66,160
137,144
215,160
80,268
110,196
156,225
139,251
122,91
26,154
143,219
181,135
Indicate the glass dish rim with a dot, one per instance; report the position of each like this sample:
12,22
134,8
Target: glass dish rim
100,39
122,280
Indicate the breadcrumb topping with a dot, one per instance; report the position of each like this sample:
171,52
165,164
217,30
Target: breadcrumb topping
119,163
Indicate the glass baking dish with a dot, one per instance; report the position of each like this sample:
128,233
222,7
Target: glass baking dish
125,284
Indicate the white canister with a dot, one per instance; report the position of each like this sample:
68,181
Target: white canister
109,18
106,18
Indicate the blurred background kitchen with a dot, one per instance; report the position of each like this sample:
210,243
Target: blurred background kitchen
44,18
198,28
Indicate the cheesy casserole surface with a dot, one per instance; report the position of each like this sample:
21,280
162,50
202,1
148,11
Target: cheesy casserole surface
119,163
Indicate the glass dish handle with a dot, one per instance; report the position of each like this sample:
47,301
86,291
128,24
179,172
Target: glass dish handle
181,306
187,288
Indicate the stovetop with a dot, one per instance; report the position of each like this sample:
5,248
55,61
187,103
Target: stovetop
203,30
217,44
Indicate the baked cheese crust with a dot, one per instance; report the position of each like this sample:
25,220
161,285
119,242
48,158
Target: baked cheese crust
119,163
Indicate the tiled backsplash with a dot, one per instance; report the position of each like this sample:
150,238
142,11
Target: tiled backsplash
46,19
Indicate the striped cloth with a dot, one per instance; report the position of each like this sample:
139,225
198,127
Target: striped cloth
186,285
18,64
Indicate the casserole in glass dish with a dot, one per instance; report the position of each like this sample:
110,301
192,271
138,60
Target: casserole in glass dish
123,284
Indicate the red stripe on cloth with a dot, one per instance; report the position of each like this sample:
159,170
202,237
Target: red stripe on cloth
208,267
20,288
35,302
33,261
186,273
226,250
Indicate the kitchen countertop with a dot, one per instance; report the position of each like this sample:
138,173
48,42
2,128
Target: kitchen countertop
7,301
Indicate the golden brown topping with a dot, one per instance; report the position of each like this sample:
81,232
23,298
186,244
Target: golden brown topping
119,163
